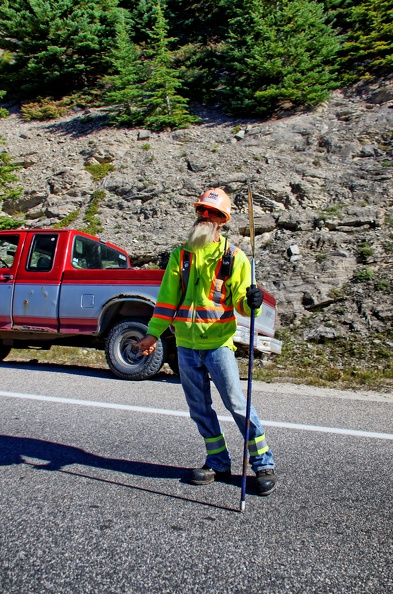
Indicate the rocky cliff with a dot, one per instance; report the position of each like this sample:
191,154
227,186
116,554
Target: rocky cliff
321,181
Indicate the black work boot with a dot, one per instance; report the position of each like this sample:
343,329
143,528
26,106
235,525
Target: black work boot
206,475
266,481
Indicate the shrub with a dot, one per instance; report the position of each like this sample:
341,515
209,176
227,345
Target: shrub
9,223
8,190
93,223
68,220
100,170
383,285
365,251
45,109
363,275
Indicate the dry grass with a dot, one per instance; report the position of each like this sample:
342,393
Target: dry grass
346,363
83,357
351,363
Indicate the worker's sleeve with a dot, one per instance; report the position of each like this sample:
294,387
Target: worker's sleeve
239,281
168,298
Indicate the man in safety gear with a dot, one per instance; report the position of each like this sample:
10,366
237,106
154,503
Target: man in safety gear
205,281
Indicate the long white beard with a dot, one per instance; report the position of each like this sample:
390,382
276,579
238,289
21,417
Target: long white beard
202,233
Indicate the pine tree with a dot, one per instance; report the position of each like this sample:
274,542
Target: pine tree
203,22
8,190
125,87
143,15
368,48
162,105
200,28
4,113
279,52
57,45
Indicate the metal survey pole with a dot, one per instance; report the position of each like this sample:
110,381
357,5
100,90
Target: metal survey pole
250,356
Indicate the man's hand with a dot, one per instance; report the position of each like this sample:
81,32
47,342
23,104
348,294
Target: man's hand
254,297
147,345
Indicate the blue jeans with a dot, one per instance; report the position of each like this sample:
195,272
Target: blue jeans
195,367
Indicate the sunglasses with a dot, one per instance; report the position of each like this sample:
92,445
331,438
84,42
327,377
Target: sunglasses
212,212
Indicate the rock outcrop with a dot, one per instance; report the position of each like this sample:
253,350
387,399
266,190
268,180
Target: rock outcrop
322,187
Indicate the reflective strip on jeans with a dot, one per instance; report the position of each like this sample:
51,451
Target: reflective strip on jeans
257,446
215,445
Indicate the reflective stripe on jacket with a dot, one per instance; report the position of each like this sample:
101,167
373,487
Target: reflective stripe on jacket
204,316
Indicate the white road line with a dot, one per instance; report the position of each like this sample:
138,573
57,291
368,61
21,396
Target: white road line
181,413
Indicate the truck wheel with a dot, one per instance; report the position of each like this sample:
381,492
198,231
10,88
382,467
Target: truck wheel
122,361
4,351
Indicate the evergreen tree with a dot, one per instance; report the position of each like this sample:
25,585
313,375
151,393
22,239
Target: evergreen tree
200,28
125,86
8,190
278,51
57,45
143,15
368,46
202,23
4,113
162,105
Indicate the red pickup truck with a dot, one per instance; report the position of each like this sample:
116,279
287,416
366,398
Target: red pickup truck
64,287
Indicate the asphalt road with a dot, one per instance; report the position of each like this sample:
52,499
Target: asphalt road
95,499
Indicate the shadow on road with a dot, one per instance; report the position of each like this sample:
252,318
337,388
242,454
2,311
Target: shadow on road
34,365
51,456
55,456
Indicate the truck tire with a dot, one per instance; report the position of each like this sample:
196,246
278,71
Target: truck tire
120,358
4,351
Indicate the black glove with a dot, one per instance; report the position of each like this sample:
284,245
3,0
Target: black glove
254,297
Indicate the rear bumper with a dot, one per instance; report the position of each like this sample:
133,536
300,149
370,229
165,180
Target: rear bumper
264,344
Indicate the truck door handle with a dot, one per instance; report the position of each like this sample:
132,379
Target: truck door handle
6,277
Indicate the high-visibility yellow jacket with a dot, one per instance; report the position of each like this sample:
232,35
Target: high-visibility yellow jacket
203,316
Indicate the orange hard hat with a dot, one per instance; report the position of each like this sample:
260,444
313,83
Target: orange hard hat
216,198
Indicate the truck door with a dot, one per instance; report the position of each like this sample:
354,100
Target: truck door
89,281
10,247
37,288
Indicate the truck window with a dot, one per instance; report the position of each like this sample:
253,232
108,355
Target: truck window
8,245
112,258
42,253
91,254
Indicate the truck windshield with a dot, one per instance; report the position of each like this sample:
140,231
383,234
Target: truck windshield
8,245
91,254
